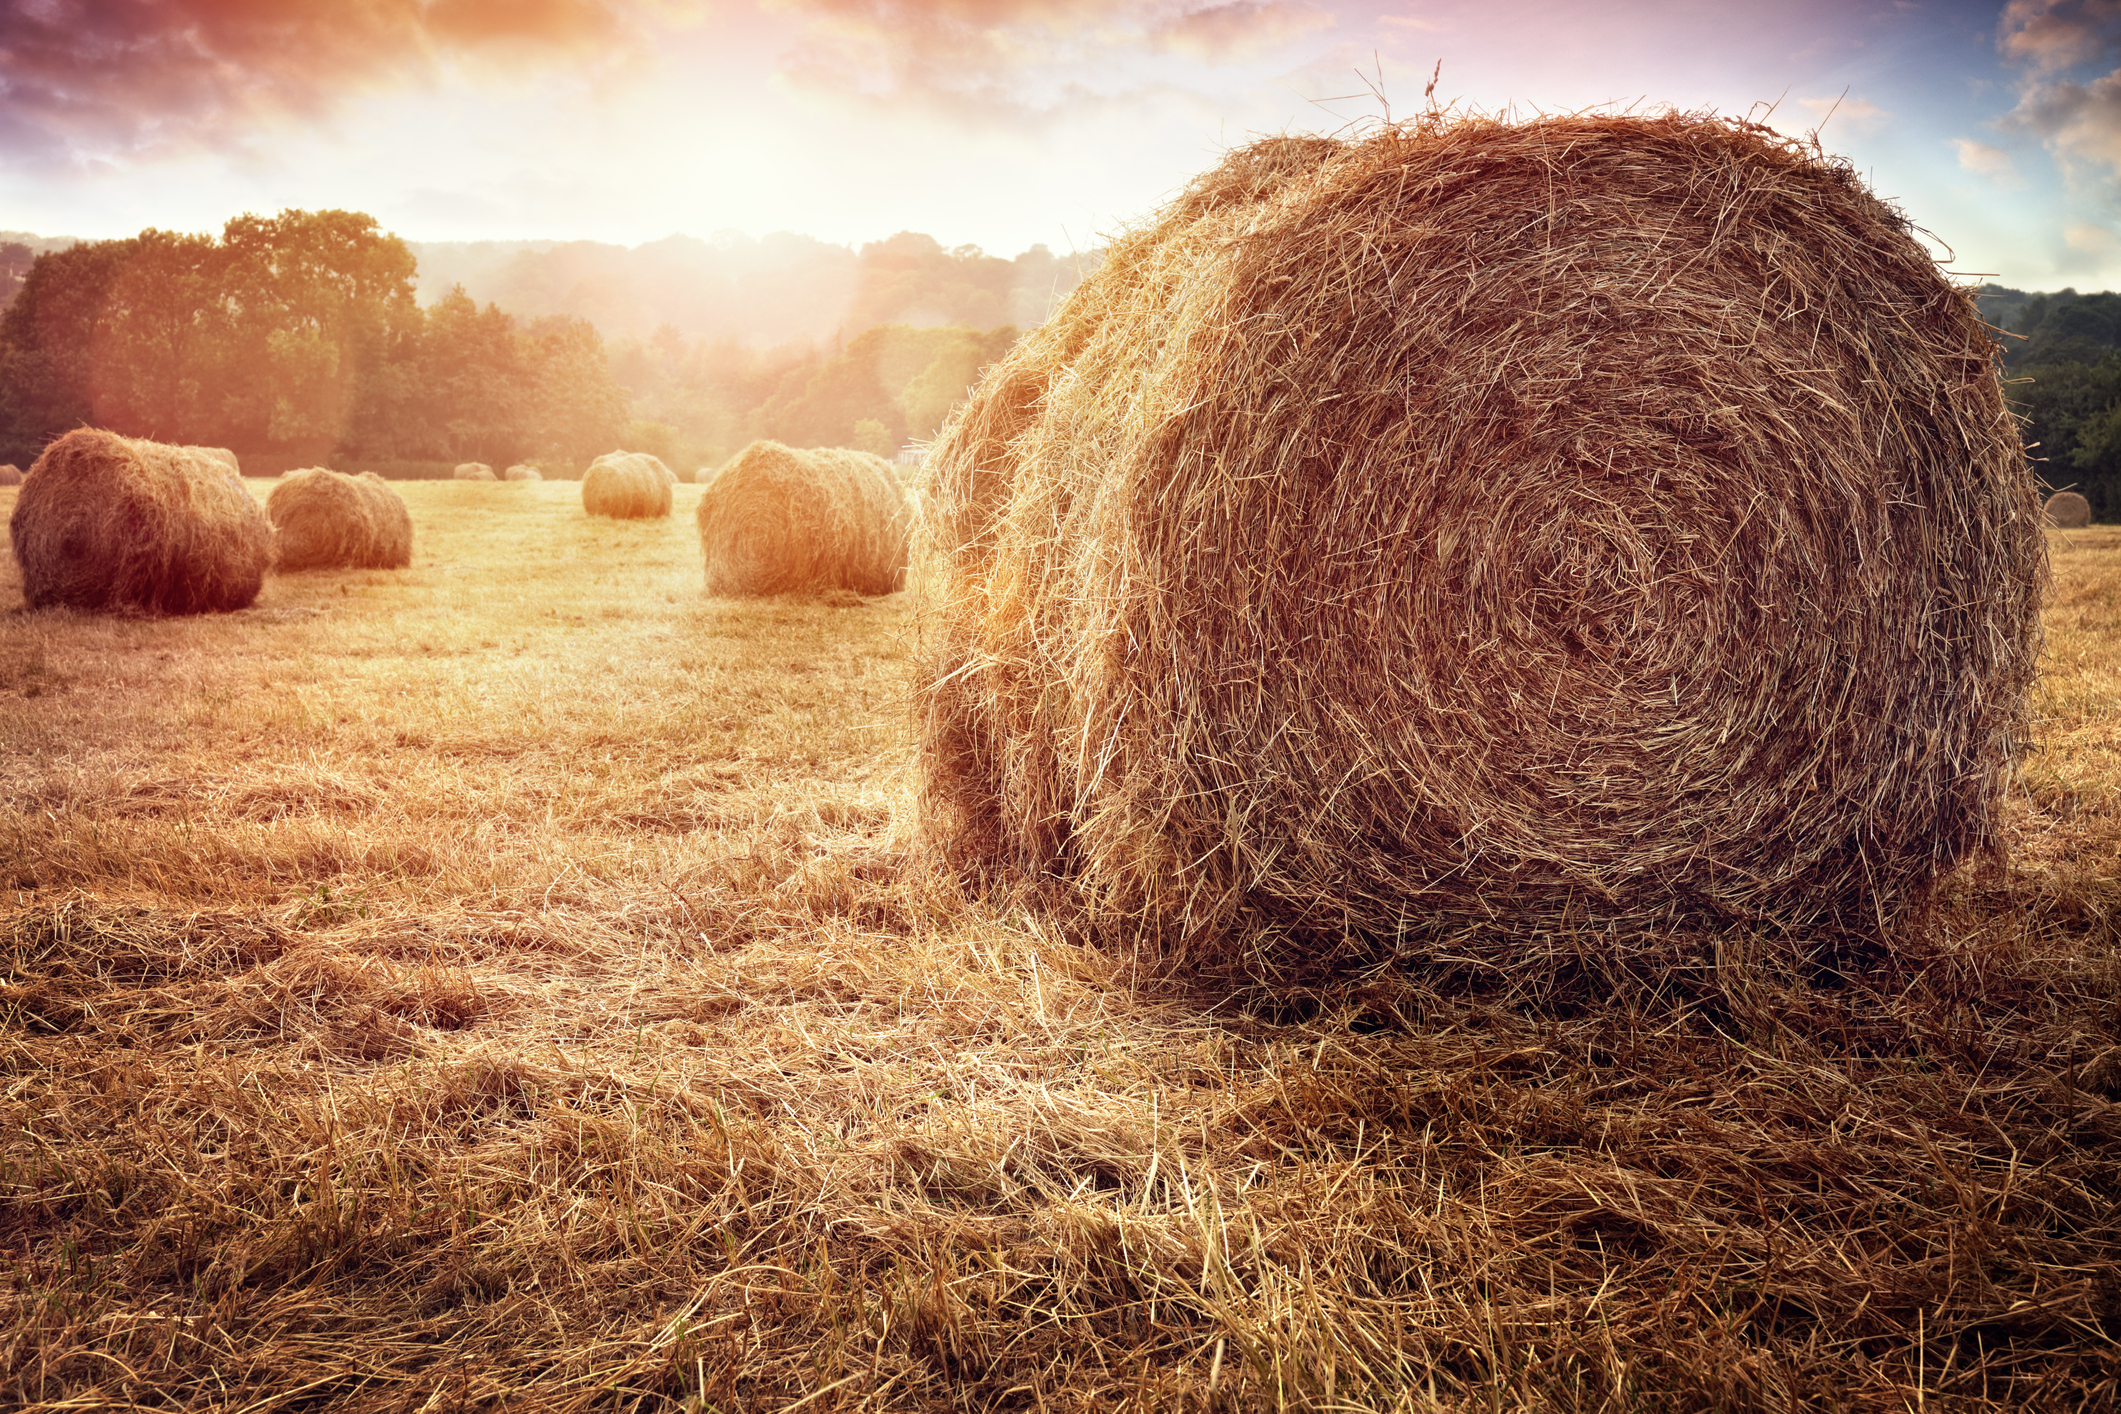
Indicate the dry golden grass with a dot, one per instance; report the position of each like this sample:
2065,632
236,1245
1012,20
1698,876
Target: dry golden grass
490,985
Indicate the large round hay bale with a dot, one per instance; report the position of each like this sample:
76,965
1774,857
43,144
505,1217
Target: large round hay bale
1588,523
10,475
328,520
105,522
473,471
522,471
627,485
776,521
2066,510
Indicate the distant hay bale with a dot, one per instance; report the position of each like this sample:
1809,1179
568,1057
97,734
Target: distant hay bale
104,522
1589,526
522,471
627,485
329,520
2066,510
10,475
702,475
473,471
776,521
219,454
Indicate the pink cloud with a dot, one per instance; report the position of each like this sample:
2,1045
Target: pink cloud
1986,160
1000,56
85,77
2051,35
1858,113
1236,31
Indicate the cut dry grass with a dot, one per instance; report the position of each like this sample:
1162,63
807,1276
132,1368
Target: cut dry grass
430,990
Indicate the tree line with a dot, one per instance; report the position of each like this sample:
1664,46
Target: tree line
295,337
2061,357
298,340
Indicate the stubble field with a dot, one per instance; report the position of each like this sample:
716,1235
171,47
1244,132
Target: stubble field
498,985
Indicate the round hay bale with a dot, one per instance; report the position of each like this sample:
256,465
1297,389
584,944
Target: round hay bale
104,522
10,475
701,475
328,520
2066,510
1486,530
627,485
218,454
473,471
777,521
522,471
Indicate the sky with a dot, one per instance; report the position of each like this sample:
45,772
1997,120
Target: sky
998,123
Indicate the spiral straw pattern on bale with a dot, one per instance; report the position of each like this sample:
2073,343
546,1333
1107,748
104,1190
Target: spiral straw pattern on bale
1486,529
2067,510
627,485
326,519
104,522
778,521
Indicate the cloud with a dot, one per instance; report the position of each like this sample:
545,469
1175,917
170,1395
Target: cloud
2091,248
2060,48
1239,31
988,58
2049,36
1984,160
1858,113
88,79
2079,122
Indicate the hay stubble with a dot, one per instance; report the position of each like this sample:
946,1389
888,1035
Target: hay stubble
430,986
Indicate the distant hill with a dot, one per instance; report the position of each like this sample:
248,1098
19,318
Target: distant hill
2058,327
17,250
472,264
757,291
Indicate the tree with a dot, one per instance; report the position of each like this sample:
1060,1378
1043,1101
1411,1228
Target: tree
160,340
577,410
476,382
2072,425
312,297
48,342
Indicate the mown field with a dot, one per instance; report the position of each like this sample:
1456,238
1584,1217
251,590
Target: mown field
497,985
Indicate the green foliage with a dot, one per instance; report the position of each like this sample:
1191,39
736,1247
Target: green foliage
2062,327
2072,427
294,339
47,344
2063,377
872,436
657,439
